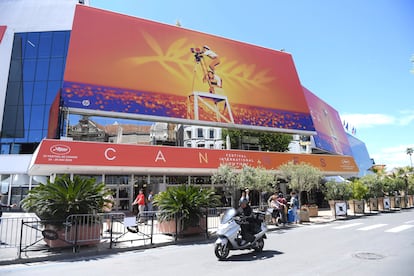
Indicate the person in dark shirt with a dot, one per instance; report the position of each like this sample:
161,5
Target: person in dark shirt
247,228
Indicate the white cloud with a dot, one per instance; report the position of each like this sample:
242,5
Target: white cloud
406,117
368,120
393,157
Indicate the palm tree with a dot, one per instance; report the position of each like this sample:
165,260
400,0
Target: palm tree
410,153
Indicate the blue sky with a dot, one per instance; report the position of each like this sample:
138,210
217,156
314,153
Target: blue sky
355,55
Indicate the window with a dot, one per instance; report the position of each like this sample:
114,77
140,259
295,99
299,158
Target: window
211,131
200,133
35,77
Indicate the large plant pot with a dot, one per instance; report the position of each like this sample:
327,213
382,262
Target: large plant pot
372,204
303,215
380,201
395,202
404,202
312,210
338,207
410,201
356,206
170,227
57,237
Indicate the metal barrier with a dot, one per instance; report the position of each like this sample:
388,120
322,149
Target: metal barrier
29,233
10,236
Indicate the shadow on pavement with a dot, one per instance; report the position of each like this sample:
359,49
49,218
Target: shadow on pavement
252,256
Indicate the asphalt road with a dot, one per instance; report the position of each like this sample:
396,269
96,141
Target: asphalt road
372,245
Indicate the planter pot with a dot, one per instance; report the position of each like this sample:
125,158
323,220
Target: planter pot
303,215
404,202
395,202
169,227
57,237
410,201
312,210
386,203
383,203
356,206
338,207
372,204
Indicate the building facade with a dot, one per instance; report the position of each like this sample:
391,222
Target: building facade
35,38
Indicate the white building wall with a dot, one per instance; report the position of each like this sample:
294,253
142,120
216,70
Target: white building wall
30,16
192,139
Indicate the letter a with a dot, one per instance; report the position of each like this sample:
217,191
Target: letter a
160,156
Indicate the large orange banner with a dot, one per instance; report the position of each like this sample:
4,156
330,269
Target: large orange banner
121,156
126,65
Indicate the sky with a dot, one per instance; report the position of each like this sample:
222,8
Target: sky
354,55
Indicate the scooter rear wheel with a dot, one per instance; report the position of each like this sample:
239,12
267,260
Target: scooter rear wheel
222,251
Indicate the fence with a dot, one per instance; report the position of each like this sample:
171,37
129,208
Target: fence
27,233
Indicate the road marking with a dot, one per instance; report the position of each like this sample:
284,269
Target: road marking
408,222
399,228
347,225
366,228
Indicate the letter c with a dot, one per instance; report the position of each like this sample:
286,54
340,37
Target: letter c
108,156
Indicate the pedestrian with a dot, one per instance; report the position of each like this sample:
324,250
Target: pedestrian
294,205
274,204
140,201
244,196
283,207
107,208
150,199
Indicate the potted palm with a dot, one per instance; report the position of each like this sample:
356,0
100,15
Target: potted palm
55,202
185,205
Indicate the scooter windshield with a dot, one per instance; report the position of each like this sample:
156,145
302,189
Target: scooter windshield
228,215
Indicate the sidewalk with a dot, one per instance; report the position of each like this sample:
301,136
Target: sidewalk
8,255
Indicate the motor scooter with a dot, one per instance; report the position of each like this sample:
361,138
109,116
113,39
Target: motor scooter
229,234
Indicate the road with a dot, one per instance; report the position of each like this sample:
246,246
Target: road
372,245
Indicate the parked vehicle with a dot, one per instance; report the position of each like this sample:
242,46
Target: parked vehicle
230,236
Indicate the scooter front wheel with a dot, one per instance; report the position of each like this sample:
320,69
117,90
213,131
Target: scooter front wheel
222,251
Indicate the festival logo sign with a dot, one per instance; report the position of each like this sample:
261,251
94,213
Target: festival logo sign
135,68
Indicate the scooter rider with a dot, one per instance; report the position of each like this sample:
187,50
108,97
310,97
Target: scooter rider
247,228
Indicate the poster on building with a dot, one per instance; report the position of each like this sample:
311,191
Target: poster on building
134,68
331,136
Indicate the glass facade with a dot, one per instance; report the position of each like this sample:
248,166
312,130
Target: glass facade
35,77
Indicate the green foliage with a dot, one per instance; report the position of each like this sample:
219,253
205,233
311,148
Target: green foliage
254,178
359,190
226,175
268,141
337,190
300,177
373,184
187,200
63,197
